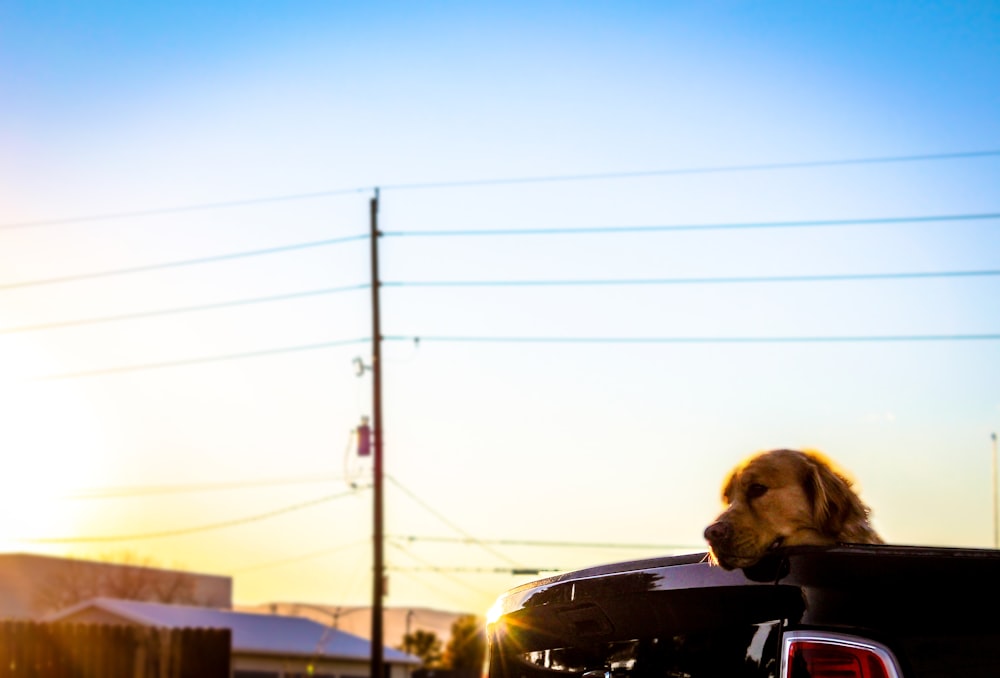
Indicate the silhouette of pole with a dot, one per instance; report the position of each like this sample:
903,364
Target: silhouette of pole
996,528
378,428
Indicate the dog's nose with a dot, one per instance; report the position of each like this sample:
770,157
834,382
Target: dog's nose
718,532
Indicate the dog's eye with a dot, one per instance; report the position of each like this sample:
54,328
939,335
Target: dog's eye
756,490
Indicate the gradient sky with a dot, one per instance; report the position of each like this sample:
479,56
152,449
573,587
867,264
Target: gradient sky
127,110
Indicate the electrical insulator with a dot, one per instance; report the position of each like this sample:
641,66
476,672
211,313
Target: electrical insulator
364,438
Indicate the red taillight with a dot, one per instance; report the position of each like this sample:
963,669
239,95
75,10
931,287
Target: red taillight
835,656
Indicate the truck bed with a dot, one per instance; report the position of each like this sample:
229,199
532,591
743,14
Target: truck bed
934,610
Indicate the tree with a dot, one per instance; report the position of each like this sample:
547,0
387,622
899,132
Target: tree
124,575
466,650
423,644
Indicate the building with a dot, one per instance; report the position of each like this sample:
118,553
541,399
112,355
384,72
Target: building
396,621
264,645
32,586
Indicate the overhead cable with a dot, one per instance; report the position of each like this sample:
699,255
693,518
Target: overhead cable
459,601
184,262
498,232
691,281
298,559
480,570
196,207
717,169
598,230
197,361
150,490
188,530
183,309
696,340
833,339
420,560
141,315
555,544
437,514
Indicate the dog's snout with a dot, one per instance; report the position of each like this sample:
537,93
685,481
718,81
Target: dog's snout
718,532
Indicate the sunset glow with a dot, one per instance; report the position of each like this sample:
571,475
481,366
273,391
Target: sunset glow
623,246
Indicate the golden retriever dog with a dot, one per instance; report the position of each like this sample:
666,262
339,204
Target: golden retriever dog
785,498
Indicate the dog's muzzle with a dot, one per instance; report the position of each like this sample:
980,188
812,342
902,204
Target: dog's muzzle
719,533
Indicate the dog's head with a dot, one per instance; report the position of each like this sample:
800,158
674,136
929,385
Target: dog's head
780,498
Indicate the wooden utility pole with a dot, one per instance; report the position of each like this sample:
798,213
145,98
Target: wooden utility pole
378,428
996,527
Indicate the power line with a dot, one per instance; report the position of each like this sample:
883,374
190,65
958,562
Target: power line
449,523
692,281
140,315
183,309
480,570
185,262
718,169
197,361
596,230
182,208
557,544
189,530
526,340
495,232
424,562
698,340
149,490
457,601
298,559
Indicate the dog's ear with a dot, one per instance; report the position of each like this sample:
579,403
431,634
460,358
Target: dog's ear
834,502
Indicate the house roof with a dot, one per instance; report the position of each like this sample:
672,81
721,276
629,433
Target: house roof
251,633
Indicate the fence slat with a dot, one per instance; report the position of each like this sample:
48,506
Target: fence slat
70,650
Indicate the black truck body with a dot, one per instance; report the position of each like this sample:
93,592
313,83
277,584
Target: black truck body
807,612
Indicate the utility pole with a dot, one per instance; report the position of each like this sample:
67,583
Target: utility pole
996,528
378,426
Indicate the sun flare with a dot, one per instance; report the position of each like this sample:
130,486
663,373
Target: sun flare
48,444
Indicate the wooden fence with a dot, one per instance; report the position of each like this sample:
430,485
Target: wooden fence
35,650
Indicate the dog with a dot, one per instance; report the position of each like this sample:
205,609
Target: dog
785,498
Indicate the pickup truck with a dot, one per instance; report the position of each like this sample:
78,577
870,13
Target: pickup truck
846,611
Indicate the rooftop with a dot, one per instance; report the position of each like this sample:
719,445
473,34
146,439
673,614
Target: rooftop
252,633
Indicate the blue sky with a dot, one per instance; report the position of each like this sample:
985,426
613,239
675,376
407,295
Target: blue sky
117,108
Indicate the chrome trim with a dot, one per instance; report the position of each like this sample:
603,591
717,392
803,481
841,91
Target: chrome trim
841,640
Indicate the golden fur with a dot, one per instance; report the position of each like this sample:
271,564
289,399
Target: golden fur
785,498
